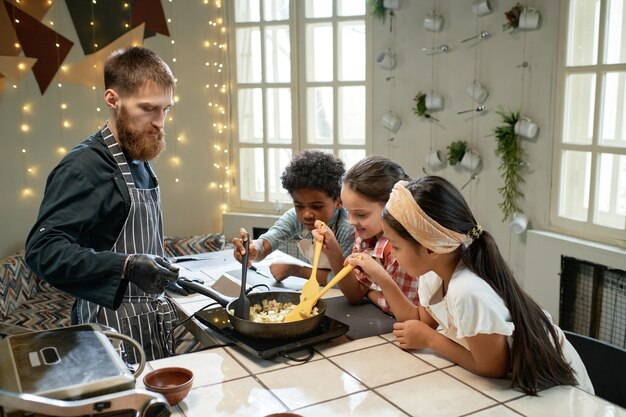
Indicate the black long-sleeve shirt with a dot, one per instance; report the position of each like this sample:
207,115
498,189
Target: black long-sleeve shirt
84,208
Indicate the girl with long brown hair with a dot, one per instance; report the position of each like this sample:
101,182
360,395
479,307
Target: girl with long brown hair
490,325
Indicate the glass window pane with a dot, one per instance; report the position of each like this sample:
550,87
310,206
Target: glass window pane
574,191
351,115
320,115
318,8
351,156
275,10
578,109
248,55
319,52
277,160
611,204
277,54
247,11
278,115
252,174
250,115
583,33
615,33
351,51
613,116
350,7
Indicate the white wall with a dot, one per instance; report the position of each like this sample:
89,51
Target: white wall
494,63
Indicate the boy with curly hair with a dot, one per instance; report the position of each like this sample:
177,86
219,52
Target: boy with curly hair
313,179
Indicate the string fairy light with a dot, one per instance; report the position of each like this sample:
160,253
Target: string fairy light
66,122
24,128
215,88
175,159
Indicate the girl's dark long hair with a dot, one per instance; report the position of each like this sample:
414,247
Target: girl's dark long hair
537,360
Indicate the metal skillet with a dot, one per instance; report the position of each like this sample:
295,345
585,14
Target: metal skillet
262,330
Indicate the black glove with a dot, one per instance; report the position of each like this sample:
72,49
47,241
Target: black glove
150,273
174,288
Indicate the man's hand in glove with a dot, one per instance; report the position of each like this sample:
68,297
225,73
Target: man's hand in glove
150,273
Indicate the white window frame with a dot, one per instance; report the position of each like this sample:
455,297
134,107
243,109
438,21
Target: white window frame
585,229
298,87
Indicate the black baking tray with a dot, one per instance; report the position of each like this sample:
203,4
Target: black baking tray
217,320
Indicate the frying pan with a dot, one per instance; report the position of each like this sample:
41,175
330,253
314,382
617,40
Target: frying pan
262,330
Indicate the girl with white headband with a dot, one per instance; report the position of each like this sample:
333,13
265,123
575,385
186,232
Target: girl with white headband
490,325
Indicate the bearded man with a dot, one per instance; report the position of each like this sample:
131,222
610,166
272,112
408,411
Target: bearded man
99,233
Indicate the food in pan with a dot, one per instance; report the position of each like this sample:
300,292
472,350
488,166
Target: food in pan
272,311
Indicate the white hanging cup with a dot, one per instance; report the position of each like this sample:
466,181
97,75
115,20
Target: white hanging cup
392,4
481,7
434,101
529,19
391,121
435,160
526,128
386,60
470,160
477,92
433,22
519,223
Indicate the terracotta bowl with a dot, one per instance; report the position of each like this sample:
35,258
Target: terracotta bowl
173,383
285,414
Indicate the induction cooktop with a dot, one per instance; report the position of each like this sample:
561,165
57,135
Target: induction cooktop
217,320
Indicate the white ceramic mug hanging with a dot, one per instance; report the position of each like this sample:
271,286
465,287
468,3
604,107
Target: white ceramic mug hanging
477,92
481,7
519,223
386,60
529,19
435,160
470,160
433,22
434,101
391,4
526,128
391,121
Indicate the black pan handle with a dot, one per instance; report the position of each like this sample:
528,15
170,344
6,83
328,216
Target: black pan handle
188,284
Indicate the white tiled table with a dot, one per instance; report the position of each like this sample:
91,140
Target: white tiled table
366,377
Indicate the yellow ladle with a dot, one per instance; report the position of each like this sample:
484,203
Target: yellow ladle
312,287
303,310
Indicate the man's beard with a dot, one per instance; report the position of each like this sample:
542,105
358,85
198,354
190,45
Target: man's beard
139,144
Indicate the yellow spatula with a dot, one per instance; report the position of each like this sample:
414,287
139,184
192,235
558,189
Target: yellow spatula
303,310
312,287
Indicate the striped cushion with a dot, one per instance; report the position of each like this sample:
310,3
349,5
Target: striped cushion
42,311
190,245
17,283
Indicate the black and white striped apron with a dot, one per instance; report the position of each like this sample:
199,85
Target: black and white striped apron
147,318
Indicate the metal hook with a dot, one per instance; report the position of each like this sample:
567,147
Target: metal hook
477,109
472,178
482,35
440,48
390,78
523,65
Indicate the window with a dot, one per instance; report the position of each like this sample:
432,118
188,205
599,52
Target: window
590,153
299,82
